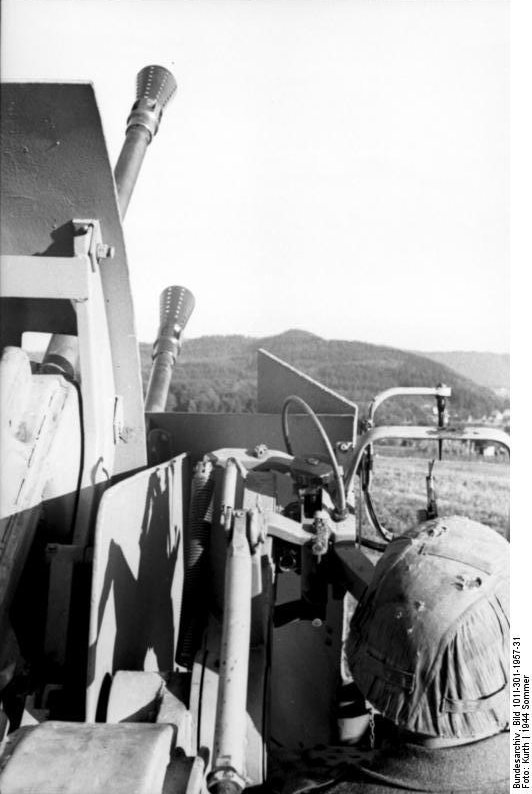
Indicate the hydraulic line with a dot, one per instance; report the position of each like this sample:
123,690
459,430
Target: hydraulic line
372,513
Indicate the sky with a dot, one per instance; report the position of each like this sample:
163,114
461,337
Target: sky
340,166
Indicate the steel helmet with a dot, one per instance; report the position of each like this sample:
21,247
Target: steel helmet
429,642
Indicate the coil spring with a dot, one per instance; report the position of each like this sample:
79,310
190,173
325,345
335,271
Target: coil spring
194,587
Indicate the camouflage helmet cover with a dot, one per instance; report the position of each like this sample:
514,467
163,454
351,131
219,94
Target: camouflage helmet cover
429,642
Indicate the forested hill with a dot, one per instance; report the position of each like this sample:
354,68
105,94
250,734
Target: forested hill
218,374
488,369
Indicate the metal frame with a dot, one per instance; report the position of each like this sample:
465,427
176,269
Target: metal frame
77,279
404,391
198,434
417,432
55,165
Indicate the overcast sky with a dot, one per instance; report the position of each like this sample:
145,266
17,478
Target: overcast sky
340,166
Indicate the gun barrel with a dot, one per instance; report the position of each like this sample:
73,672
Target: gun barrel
159,382
155,87
61,356
176,306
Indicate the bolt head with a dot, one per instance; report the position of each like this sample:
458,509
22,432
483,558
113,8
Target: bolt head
104,251
260,450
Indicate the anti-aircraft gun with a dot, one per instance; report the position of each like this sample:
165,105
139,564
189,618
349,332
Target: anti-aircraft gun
172,586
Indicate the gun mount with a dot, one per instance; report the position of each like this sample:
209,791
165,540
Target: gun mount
162,622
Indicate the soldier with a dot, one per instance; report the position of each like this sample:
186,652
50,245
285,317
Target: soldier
429,649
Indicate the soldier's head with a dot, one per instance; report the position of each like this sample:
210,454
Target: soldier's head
429,642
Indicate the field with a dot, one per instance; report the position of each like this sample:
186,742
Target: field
477,489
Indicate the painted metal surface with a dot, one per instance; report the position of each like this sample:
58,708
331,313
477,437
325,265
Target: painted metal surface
50,277
40,452
204,699
229,750
77,279
420,433
80,455
55,168
135,696
101,441
234,493
277,379
200,433
137,576
406,391
71,758
305,664
302,665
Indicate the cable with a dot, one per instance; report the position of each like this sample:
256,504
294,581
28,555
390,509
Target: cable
372,515
341,507
365,481
375,545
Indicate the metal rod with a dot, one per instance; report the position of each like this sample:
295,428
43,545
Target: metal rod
406,391
229,492
420,432
229,752
196,778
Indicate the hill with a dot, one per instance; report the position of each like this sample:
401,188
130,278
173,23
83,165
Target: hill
486,369
218,374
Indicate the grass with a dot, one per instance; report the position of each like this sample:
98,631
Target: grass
476,489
